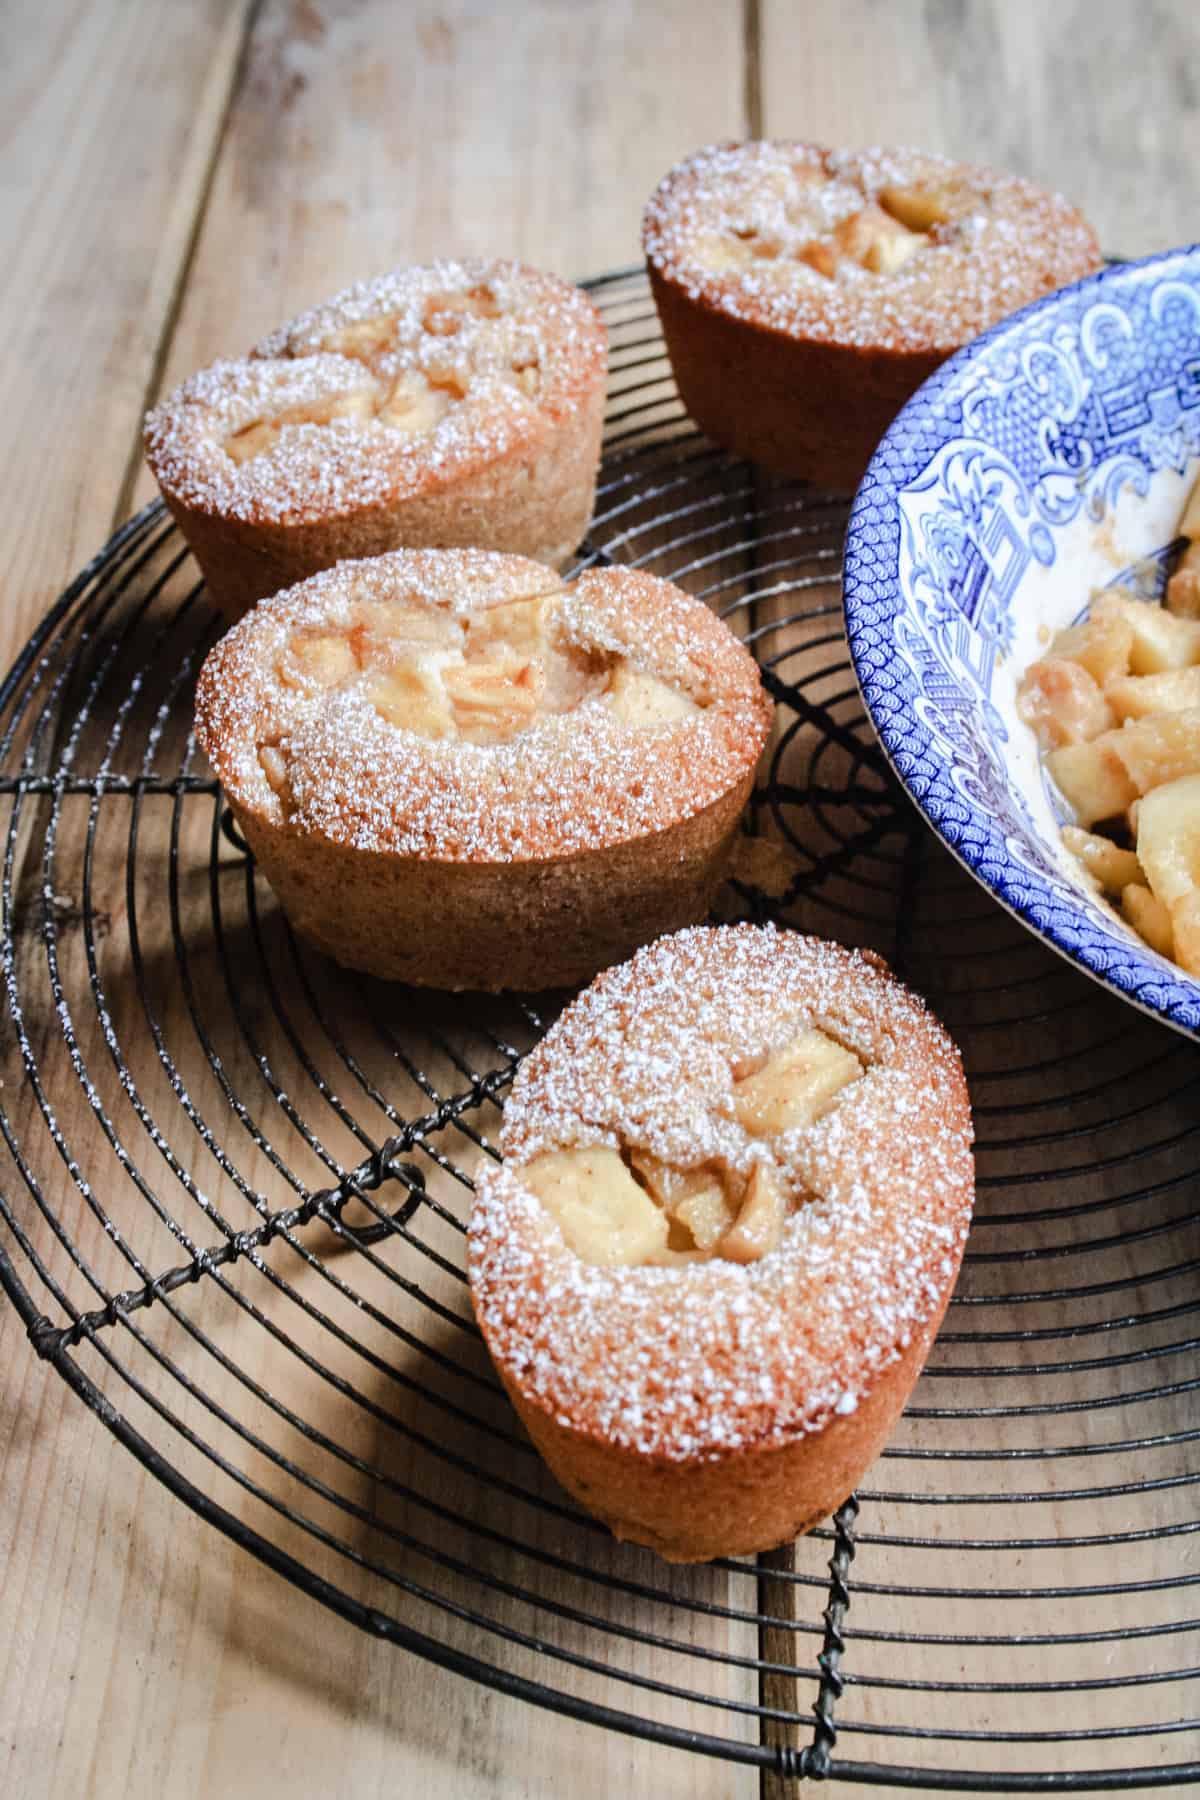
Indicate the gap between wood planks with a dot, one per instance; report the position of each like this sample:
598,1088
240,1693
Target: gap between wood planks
752,88
171,316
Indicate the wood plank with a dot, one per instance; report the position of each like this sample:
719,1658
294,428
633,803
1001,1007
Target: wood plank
109,120
144,1649
1098,105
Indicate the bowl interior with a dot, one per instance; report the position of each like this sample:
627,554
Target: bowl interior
1049,458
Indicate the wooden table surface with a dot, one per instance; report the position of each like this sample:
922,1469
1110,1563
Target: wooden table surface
179,176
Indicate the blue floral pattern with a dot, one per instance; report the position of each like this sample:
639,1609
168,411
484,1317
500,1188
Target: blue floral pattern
1046,420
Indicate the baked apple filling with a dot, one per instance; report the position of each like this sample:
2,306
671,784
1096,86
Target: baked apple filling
792,1086
439,372
414,403
479,679
626,1207
260,436
1115,705
880,235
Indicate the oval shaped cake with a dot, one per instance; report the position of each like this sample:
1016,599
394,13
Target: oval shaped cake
456,770
735,1189
459,403
805,293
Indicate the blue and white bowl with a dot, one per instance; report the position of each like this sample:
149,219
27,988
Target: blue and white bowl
1050,457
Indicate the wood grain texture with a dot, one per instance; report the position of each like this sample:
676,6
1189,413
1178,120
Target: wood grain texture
109,121
1093,97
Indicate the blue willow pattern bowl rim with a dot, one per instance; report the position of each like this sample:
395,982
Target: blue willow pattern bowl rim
875,601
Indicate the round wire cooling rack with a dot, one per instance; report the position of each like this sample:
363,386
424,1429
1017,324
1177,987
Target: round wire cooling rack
236,1181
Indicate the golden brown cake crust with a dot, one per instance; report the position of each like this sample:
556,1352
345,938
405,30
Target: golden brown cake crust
714,1408
1013,242
510,390
803,370
733,1505
528,863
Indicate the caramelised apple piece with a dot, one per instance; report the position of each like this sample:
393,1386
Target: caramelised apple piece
706,1214
1092,778
1103,645
528,377
322,659
1063,703
722,251
642,699
414,406
362,338
795,1085
1101,779
1149,918
1158,749
261,435
922,204
877,240
890,251
445,314
603,1214
1169,849
518,627
821,255
1161,640
273,764
1136,696
448,377
484,301
382,634
1183,589
696,1198
1111,866
492,701
760,1220
412,695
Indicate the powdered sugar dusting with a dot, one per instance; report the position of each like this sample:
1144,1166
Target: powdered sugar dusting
570,782
1010,242
694,1361
536,324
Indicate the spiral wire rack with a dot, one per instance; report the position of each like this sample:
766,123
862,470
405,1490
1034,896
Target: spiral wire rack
237,1178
